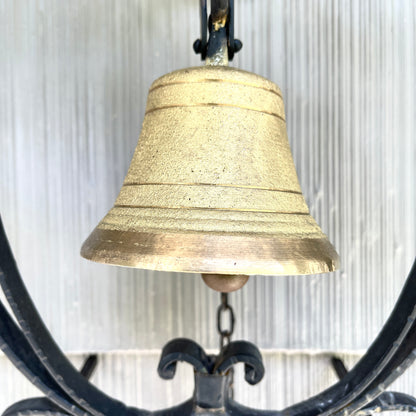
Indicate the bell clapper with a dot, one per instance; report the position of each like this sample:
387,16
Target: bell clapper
225,283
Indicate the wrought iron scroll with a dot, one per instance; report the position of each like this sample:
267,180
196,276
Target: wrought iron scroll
83,395
33,351
390,354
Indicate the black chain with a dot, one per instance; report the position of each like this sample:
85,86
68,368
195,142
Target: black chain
225,334
223,309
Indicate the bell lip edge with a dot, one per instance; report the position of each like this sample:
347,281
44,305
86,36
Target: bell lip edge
291,269
327,261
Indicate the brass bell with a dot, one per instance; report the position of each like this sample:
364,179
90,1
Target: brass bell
212,186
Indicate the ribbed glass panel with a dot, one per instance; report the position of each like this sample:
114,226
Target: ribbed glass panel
73,83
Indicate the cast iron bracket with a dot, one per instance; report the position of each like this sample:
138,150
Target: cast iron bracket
31,348
208,47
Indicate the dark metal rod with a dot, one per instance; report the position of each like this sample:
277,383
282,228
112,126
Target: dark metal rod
65,374
339,367
219,10
36,406
389,401
403,359
34,351
385,352
89,366
18,350
217,47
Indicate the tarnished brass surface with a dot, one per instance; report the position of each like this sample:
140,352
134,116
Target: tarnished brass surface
212,186
211,253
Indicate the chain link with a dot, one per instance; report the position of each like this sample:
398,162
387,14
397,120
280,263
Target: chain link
226,333
222,311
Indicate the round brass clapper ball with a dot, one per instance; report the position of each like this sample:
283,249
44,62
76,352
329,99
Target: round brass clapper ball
225,283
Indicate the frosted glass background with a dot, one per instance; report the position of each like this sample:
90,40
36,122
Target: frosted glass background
73,84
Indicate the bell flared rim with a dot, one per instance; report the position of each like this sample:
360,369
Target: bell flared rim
212,253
